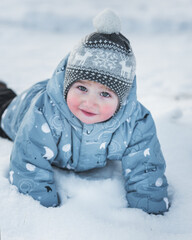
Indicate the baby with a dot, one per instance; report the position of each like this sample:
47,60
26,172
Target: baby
85,115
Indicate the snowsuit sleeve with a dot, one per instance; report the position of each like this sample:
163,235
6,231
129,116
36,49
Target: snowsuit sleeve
144,167
33,152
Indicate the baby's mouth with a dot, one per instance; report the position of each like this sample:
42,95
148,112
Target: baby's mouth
88,114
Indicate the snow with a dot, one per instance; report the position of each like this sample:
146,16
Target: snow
35,36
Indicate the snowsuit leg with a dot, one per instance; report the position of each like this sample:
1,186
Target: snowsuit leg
6,96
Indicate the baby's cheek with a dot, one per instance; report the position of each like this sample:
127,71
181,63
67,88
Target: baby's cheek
108,110
72,99
72,103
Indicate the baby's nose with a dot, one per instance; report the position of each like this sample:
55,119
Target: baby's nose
91,101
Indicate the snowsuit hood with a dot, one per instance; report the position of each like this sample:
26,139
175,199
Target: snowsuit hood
46,134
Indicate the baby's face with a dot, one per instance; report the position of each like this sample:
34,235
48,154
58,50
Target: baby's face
91,102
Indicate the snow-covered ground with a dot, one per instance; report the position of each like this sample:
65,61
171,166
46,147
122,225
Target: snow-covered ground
34,36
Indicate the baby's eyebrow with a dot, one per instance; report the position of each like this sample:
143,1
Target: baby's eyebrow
83,82
108,89
79,81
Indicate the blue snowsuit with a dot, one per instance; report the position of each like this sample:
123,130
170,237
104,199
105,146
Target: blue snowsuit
46,134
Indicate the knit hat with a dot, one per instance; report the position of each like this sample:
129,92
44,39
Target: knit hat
104,56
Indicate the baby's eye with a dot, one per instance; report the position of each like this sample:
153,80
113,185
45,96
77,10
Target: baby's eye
105,94
82,88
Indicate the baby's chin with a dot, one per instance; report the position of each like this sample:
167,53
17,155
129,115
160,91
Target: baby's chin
92,120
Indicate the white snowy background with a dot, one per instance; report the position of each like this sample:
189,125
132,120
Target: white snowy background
34,36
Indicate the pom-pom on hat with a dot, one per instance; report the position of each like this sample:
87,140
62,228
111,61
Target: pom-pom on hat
104,56
107,22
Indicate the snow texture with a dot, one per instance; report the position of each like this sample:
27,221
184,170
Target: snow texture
35,36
